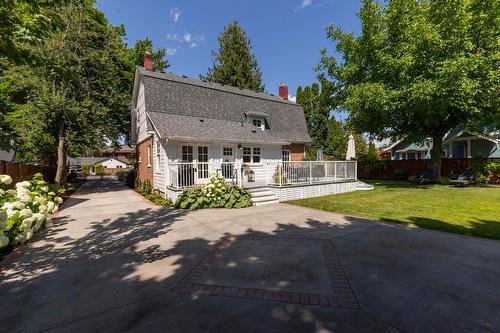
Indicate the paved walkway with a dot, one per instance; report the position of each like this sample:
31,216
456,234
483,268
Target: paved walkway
115,263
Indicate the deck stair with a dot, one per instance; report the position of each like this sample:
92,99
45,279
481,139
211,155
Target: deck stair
360,186
263,196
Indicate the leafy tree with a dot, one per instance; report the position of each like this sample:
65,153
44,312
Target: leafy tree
69,95
160,64
234,64
418,68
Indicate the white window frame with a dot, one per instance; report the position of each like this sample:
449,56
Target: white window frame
252,154
158,155
149,156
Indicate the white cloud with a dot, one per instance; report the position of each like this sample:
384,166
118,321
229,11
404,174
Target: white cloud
193,45
292,98
187,37
305,3
175,14
171,51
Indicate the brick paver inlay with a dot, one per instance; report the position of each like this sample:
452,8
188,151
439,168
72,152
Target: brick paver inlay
202,279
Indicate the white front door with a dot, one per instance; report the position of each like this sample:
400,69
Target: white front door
202,164
228,159
195,171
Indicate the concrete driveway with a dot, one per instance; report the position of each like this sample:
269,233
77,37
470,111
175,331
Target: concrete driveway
114,263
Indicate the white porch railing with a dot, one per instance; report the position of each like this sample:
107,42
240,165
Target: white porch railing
183,175
310,172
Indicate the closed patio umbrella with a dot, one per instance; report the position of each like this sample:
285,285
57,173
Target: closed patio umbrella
351,152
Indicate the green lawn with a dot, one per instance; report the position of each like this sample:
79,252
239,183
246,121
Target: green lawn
471,211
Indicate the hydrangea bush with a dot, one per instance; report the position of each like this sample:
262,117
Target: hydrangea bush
216,194
25,208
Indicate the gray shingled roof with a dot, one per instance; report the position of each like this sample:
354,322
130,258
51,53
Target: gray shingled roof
175,105
199,128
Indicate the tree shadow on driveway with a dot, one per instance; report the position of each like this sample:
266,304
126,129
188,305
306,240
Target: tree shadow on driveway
120,274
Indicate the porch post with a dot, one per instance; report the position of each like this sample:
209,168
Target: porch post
335,170
469,155
356,170
310,173
450,150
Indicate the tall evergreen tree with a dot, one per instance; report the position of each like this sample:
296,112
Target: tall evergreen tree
234,64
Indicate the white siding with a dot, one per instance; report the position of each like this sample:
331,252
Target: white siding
142,127
159,176
113,163
315,190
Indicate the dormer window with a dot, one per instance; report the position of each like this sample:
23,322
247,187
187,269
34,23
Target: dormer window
257,122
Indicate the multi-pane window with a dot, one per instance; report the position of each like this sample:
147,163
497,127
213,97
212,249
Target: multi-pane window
187,153
149,155
257,122
256,155
158,148
247,154
411,156
227,151
285,155
202,162
251,155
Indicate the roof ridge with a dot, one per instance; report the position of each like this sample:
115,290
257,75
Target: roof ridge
195,116
211,85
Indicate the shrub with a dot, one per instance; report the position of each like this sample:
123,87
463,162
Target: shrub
25,209
479,178
492,172
127,177
86,169
99,169
216,194
146,187
413,179
442,181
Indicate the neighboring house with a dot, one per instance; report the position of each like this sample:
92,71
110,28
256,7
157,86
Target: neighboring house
458,143
186,129
124,153
7,155
110,164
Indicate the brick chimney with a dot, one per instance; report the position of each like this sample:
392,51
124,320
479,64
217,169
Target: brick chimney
283,90
148,61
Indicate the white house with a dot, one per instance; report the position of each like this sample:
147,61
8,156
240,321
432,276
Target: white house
186,129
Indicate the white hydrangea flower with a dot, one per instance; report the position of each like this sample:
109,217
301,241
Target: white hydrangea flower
41,200
52,194
18,205
27,223
58,200
44,189
24,184
29,234
50,206
43,209
25,213
25,198
39,217
5,179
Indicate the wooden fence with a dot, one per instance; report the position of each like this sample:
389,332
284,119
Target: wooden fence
19,171
401,169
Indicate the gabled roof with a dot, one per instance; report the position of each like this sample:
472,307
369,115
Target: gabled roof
176,104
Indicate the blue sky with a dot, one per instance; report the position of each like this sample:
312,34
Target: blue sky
286,35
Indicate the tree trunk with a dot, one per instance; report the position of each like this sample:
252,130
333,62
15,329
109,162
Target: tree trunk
436,155
61,158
